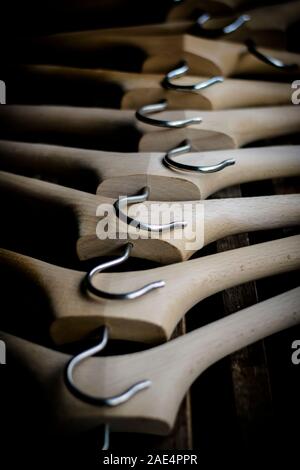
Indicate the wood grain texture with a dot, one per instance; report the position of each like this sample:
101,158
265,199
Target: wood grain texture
204,56
101,231
115,89
249,369
115,173
168,367
97,128
274,34
152,317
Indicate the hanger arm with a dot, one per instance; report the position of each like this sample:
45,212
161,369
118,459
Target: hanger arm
52,161
218,339
211,274
82,205
221,129
72,163
107,173
242,265
115,89
153,54
207,345
151,318
252,164
224,217
86,127
43,192
264,123
128,173
207,221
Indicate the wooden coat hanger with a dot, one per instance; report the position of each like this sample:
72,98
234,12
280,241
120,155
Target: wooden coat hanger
115,89
187,8
154,54
174,290
242,25
110,129
119,173
34,18
102,226
271,33
163,374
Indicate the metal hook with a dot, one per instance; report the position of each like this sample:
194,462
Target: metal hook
88,280
141,115
217,32
106,437
268,59
186,147
90,399
180,70
142,197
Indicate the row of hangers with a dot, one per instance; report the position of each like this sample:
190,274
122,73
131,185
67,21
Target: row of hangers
142,392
